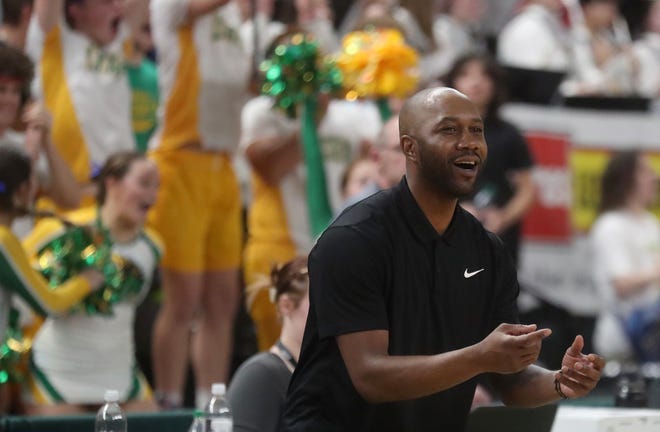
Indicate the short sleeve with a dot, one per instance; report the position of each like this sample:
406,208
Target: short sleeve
347,283
611,257
260,120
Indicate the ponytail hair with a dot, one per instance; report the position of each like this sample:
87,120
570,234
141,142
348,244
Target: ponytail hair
116,166
290,278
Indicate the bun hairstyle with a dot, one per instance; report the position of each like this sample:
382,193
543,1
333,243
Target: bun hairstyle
15,169
290,278
116,166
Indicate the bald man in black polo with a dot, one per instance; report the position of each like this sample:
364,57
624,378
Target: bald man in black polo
411,299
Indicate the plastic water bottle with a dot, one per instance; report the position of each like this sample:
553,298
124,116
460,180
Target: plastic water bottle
199,422
110,417
218,413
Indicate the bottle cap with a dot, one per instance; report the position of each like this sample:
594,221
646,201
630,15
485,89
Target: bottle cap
111,396
218,389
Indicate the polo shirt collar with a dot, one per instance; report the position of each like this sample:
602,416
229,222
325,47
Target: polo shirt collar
419,223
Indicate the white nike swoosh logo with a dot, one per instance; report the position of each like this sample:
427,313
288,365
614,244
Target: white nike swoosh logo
468,275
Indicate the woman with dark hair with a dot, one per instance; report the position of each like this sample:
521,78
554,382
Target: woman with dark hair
625,249
505,189
76,357
16,273
258,389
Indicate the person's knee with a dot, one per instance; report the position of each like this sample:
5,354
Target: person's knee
221,309
182,296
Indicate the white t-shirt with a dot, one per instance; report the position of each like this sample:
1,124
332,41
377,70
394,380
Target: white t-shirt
622,243
647,52
204,68
96,84
452,39
534,39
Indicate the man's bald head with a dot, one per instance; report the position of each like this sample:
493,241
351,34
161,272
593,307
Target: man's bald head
418,106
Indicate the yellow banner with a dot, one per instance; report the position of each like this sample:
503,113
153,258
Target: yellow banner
587,167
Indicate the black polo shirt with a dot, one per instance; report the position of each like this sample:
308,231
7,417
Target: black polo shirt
381,265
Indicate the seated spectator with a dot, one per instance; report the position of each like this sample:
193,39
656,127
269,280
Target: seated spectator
258,389
603,63
625,249
77,356
536,38
454,34
390,14
647,52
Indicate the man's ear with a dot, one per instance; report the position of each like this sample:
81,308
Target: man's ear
409,147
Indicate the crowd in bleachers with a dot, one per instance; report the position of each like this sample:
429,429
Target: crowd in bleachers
143,120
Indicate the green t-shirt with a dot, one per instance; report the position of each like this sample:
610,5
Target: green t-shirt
143,79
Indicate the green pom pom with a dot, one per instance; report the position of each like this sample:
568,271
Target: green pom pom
81,247
296,71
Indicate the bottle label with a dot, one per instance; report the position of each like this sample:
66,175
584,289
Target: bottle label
221,425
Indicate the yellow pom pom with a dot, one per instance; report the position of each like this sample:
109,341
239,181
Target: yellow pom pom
377,64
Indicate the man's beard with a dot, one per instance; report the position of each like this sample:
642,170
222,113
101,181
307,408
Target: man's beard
436,174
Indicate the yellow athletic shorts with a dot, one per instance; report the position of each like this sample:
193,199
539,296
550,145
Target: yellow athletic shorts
198,211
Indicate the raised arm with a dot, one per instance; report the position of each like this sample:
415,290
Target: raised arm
380,377
20,278
198,8
48,13
272,158
61,186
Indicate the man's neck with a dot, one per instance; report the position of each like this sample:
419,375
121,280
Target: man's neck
438,209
